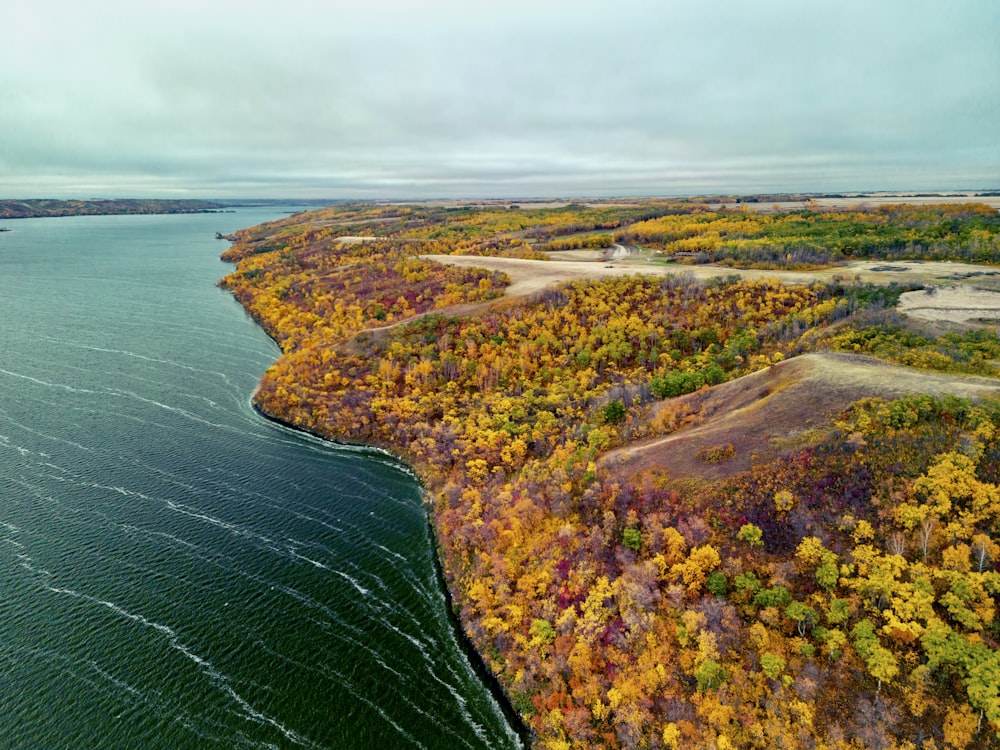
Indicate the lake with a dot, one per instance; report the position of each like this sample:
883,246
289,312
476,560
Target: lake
175,570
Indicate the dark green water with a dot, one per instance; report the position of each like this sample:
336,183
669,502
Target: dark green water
175,571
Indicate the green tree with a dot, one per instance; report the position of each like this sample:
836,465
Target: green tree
802,615
614,412
717,583
709,674
773,665
751,534
542,632
879,660
983,683
632,538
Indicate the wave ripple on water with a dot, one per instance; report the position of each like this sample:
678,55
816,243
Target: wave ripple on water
174,570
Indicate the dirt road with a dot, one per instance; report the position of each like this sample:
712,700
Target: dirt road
956,299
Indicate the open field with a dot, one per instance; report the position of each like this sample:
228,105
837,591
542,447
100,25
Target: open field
958,300
784,203
952,304
863,201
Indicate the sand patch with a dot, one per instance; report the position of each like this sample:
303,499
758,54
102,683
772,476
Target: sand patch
952,304
530,276
355,239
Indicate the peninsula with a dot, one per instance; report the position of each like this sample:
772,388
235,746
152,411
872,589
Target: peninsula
702,473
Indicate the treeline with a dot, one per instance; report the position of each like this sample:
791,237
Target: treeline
472,224
806,239
843,596
684,231
576,242
974,352
533,224
314,291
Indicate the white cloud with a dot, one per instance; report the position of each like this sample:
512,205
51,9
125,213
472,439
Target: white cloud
446,97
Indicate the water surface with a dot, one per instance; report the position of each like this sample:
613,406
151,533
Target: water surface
176,571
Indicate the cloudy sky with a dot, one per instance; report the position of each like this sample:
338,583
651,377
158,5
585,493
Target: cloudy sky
520,98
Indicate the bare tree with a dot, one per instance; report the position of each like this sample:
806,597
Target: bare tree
897,544
927,527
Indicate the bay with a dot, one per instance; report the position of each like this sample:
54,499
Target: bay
175,570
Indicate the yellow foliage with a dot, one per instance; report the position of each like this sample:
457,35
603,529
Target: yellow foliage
694,571
810,551
863,532
957,557
675,544
477,470
784,501
671,736
959,727
600,711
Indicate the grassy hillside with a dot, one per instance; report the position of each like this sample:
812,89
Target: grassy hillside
670,513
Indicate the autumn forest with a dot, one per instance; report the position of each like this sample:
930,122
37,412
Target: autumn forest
634,575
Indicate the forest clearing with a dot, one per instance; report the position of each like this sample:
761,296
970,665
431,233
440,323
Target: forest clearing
528,276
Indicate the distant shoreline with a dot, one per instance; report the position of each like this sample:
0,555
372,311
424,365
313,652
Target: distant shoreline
46,208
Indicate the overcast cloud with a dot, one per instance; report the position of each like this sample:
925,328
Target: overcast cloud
423,98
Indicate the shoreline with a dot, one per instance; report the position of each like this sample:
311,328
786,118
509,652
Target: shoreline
45,208
575,573
478,665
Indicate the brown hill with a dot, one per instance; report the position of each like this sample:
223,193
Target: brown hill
768,413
